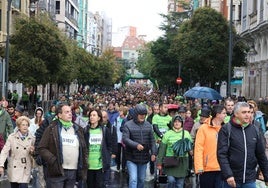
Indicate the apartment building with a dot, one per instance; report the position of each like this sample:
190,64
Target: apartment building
254,25
17,7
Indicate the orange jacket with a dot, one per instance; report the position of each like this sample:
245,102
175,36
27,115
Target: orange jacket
205,148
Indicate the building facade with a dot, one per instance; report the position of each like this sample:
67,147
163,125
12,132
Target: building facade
254,25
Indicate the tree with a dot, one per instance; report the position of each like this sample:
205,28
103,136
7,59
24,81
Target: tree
165,65
146,60
202,46
37,51
109,71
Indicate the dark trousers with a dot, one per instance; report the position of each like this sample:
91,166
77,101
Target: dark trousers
25,105
210,179
19,185
106,177
15,102
66,181
95,178
120,157
45,176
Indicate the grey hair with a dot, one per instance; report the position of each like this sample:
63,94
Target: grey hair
239,105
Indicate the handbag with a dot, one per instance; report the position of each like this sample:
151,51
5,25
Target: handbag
171,161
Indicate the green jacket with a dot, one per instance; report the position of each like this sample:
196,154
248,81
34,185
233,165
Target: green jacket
25,97
6,127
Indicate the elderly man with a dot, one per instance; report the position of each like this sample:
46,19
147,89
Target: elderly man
240,148
63,147
140,146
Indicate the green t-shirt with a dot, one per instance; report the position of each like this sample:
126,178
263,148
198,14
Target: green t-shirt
170,137
94,156
161,122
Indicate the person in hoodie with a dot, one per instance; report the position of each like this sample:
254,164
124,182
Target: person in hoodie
37,120
140,146
37,172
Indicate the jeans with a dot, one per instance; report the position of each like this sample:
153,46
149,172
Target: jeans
38,177
174,182
137,173
242,185
66,181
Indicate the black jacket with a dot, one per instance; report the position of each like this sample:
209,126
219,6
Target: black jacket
239,151
134,134
113,136
106,146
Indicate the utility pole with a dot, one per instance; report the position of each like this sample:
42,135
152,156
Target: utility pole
230,49
7,45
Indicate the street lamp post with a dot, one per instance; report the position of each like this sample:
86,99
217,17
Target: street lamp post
7,44
230,49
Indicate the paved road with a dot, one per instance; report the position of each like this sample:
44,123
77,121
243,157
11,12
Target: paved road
118,180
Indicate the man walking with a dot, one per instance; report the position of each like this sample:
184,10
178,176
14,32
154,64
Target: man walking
140,146
240,148
63,147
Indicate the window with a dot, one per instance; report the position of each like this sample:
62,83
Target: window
16,4
57,7
126,55
254,7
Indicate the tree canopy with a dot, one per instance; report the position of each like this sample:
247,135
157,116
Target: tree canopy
198,43
41,54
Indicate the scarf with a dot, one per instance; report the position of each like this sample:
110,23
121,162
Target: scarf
66,124
22,136
238,122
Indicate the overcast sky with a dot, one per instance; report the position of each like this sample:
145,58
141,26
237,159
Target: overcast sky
142,14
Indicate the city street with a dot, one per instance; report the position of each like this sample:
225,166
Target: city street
118,180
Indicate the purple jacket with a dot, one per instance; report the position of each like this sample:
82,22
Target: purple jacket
188,124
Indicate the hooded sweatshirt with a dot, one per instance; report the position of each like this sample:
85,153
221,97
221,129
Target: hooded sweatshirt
33,126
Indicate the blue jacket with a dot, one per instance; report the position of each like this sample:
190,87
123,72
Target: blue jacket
112,115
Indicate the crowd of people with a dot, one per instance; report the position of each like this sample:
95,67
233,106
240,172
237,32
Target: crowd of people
76,141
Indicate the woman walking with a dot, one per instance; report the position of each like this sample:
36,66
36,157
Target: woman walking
21,147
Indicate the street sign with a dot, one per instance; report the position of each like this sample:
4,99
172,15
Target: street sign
179,80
